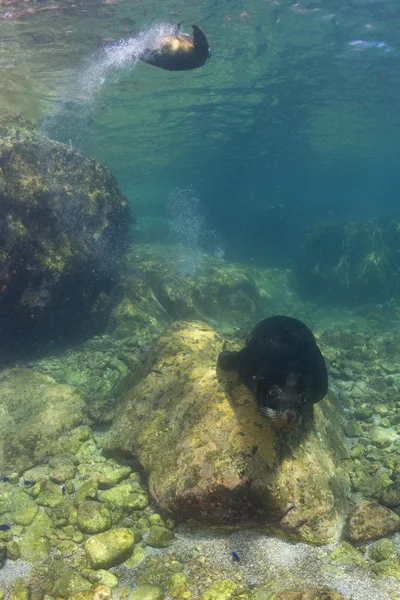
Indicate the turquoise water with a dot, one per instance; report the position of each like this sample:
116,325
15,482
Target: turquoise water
297,106
265,182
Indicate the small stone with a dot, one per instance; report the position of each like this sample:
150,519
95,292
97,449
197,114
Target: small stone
93,517
178,584
62,473
71,583
382,436
221,590
20,590
102,592
159,537
357,451
138,555
111,475
87,491
34,545
26,514
346,553
382,550
136,501
50,495
146,592
389,567
111,548
13,551
3,553
390,497
105,578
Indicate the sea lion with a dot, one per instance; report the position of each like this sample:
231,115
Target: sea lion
283,366
178,51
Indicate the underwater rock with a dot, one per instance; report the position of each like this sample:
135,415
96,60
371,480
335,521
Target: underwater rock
320,592
30,429
63,227
382,436
352,262
159,537
221,590
213,458
93,517
20,590
369,521
146,591
382,550
159,292
111,548
35,545
3,553
71,583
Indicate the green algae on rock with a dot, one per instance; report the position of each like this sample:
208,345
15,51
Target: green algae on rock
93,517
369,520
212,457
30,430
70,583
146,591
111,548
159,537
320,592
160,293
65,224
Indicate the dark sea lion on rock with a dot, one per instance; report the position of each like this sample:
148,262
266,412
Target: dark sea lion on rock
283,366
179,51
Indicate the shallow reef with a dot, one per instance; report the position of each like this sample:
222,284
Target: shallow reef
104,444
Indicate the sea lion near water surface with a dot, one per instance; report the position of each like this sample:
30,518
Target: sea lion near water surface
283,366
178,51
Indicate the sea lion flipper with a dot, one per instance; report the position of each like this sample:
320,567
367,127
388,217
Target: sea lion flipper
199,39
178,28
227,360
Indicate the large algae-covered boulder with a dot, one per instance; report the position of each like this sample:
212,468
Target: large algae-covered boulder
63,226
351,262
213,458
34,412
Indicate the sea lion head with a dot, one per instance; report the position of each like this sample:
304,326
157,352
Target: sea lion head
281,403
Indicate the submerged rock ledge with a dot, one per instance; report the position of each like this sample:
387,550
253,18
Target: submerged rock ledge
212,458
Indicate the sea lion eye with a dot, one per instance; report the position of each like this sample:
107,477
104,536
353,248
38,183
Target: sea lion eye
272,392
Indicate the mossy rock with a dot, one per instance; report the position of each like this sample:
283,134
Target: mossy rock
370,520
64,225
30,429
106,550
383,549
146,591
320,592
212,457
221,590
159,537
35,543
93,517
71,583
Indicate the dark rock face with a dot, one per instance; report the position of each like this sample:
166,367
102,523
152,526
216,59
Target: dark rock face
351,263
63,226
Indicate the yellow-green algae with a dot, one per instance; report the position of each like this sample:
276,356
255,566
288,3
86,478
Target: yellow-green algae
201,445
30,430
